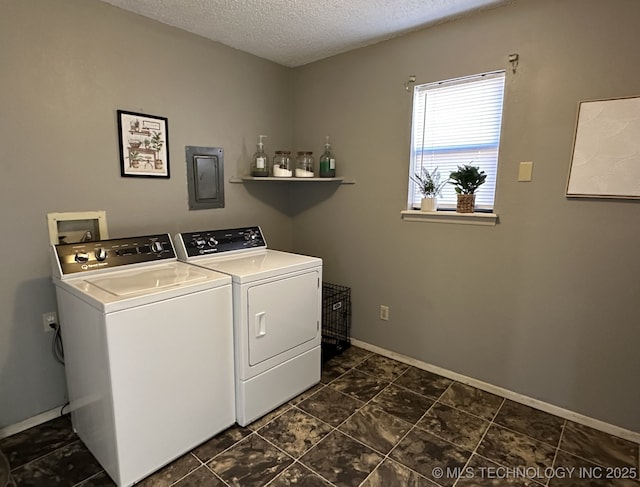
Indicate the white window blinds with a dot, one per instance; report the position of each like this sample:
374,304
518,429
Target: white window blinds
457,122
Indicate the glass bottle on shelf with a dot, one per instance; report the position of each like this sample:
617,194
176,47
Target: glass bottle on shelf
260,161
327,162
304,165
282,164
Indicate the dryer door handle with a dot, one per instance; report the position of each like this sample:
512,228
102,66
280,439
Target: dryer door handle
261,324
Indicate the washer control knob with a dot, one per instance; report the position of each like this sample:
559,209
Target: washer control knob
157,247
101,254
82,257
200,242
212,242
250,235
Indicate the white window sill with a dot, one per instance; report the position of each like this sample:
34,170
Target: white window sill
487,219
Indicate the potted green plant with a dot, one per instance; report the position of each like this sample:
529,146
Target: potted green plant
134,158
156,144
430,185
466,180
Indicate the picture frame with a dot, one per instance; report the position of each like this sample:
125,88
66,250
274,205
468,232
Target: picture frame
144,145
605,161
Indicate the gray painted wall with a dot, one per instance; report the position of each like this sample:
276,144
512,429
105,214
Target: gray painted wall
546,303
66,67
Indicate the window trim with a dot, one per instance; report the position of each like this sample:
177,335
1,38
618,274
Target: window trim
446,216
411,191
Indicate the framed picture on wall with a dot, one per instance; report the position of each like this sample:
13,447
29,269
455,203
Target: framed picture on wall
606,150
144,145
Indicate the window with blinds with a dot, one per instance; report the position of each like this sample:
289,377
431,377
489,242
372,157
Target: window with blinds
457,122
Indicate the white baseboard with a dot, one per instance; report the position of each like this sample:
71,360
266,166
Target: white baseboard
514,396
30,422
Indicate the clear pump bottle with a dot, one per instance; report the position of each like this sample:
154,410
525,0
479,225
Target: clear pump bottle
327,162
260,161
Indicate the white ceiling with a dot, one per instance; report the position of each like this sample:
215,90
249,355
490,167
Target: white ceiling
297,32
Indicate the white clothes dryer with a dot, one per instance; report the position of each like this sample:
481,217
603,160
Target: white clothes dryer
277,299
148,349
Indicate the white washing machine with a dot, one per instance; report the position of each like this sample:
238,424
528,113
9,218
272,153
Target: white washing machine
148,348
277,299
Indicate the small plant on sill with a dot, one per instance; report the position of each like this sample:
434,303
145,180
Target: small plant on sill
429,182
466,180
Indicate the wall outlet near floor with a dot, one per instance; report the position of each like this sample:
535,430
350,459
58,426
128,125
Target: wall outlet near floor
49,319
384,312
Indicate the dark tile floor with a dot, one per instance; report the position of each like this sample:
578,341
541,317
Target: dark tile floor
371,422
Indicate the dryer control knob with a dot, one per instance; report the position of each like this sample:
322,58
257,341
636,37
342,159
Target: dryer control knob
212,242
157,247
82,257
200,242
101,254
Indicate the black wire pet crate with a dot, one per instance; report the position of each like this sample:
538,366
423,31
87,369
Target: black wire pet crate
336,319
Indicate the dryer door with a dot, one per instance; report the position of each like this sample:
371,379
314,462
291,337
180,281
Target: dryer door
282,314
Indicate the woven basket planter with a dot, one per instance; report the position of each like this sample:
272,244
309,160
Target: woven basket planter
466,203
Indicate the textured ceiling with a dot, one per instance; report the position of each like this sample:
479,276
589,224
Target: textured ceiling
297,32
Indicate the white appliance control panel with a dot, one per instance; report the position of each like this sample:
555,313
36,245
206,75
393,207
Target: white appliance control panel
81,257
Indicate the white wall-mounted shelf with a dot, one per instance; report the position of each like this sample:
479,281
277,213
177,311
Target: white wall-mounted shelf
244,179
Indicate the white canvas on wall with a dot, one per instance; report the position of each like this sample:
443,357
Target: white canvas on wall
606,150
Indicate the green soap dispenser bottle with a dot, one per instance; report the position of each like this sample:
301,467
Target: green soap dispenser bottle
327,162
260,161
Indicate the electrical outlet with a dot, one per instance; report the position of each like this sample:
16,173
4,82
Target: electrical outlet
384,312
49,319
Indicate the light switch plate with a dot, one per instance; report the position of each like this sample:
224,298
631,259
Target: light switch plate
525,169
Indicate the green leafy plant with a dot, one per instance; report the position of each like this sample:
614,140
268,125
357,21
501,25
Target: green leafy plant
467,179
134,158
156,143
429,183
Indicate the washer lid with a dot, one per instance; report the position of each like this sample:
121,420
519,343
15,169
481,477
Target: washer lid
117,290
259,264
149,280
